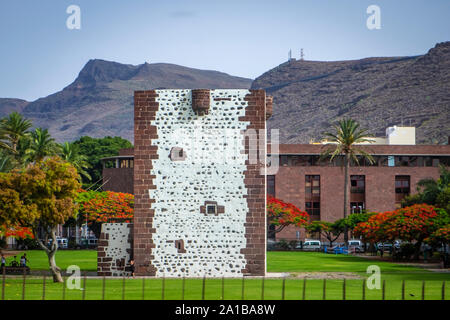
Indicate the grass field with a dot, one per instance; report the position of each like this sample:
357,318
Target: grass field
292,262
85,259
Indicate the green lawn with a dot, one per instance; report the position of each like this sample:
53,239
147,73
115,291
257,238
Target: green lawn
292,262
85,259
213,288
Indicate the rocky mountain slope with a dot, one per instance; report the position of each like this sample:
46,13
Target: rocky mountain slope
100,101
378,92
308,96
8,105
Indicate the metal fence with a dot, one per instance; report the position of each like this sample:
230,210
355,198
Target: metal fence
262,290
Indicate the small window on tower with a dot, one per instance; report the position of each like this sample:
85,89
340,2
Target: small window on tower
211,209
177,154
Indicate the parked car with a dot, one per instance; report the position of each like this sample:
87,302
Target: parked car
336,247
271,244
387,246
63,243
89,242
312,245
356,245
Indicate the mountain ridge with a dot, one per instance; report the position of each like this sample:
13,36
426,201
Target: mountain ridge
99,102
309,96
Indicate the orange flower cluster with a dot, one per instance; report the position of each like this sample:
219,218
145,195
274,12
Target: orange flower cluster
283,213
109,207
416,222
16,232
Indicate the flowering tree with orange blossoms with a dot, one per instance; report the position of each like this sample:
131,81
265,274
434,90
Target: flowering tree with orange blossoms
105,207
16,232
441,235
412,224
374,229
281,214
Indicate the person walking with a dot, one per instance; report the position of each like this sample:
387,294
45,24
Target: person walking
3,262
132,267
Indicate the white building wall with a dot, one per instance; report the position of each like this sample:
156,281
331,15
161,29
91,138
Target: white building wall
212,171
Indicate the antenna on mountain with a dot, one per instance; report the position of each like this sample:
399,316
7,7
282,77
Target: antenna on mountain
302,55
290,55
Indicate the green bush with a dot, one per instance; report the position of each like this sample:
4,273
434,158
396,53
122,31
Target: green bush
2,243
283,245
406,251
27,244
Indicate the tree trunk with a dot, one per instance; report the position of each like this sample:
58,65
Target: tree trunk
417,249
346,194
56,271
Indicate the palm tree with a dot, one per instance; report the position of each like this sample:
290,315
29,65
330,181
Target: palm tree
432,188
70,153
41,146
7,162
344,141
13,128
3,144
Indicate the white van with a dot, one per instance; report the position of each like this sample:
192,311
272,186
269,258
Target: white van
312,245
356,245
63,243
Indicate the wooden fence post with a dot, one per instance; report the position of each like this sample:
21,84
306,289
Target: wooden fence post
423,290
403,289
364,290
64,289
183,287
243,288
103,287
262,287
84,287
43,286
344,284
3,282
23,283
163,288
223,288
304,289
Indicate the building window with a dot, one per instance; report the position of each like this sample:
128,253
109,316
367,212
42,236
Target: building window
356,207
357,193
126,163
312,185
312,208
211,209
357,184
312,195
271,185
402,189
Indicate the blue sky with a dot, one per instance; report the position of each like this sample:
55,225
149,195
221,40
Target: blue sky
39,55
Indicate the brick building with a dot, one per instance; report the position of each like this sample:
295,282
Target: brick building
318,186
